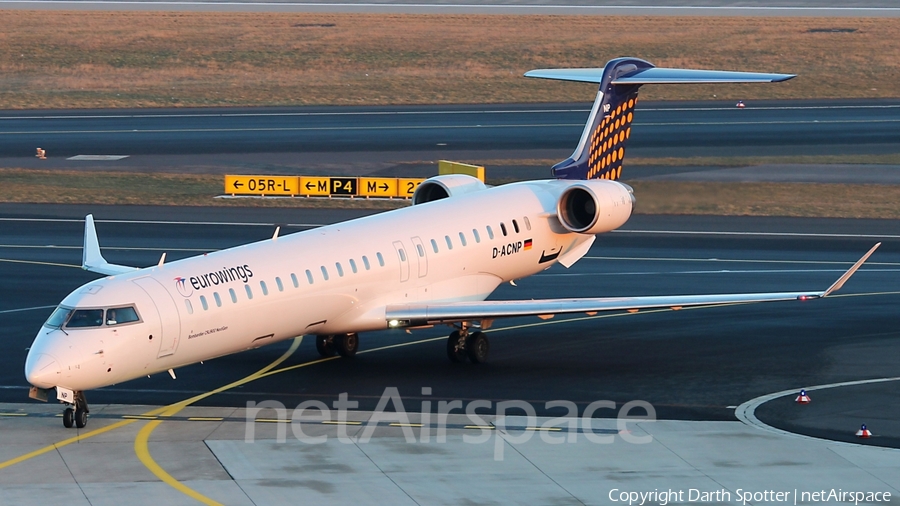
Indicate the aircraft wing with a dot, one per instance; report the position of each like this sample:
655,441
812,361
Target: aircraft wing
412,315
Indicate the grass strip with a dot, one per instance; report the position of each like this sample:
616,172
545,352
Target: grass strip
86,59
653,197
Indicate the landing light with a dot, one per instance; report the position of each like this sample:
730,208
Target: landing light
393,323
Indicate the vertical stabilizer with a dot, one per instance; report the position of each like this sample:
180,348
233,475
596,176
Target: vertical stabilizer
602,146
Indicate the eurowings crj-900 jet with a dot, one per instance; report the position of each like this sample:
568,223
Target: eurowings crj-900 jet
434,262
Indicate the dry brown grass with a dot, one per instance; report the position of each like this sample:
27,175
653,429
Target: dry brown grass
143,59
131,188
653,197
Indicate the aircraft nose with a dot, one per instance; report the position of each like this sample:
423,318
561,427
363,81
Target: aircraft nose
42,370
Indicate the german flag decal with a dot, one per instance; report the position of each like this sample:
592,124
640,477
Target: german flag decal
527,245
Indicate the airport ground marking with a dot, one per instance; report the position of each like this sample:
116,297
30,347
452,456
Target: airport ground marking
34,262
141,441
414,113
754,234
737,260
746,412
119,248
65,442
311,225
19,310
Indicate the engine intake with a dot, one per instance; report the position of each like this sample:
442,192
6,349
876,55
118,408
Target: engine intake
594,207
448,185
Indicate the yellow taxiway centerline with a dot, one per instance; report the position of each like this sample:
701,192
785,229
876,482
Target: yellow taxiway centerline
141,447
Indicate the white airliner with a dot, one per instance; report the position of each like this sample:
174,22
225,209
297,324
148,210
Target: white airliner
432,263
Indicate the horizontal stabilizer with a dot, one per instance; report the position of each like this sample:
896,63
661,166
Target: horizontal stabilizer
602,145
412,315
656,75
92,260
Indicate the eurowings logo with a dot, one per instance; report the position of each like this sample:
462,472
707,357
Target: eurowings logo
183,287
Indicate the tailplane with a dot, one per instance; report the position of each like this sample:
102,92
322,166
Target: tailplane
602,146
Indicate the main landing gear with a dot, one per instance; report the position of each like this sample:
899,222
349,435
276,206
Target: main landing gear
462,344
344,345
78,415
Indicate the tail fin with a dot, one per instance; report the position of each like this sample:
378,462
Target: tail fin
602,146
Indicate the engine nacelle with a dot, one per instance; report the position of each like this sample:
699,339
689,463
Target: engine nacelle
447,185
595,206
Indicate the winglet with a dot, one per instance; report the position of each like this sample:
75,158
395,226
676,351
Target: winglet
843,279
92,259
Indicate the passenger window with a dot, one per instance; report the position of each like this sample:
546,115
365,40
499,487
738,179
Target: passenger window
527,223
278,283
449,243
366,262
515,226
380,259
402,255
249,292
353,265
325,273
503,229
420,249
188,306
475,233
309,276
120,315
203,302
233,295
294,280
218,299
462,238
84,318
265,290
339,269
490,232
434,245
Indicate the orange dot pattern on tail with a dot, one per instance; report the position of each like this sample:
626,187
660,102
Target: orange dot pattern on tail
607,146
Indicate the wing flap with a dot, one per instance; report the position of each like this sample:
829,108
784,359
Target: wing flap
408,315
430,314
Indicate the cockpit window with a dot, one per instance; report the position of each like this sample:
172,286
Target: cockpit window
86,318
58,318
119,315
82,318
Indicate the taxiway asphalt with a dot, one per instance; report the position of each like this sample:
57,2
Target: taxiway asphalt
406,141
691,365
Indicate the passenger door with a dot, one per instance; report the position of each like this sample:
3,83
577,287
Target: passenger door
165,313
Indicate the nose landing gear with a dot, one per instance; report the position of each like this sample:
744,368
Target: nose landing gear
78,415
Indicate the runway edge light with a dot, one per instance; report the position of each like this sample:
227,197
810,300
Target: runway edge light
863,432
802,398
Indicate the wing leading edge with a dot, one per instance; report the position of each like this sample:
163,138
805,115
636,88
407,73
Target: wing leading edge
412,315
